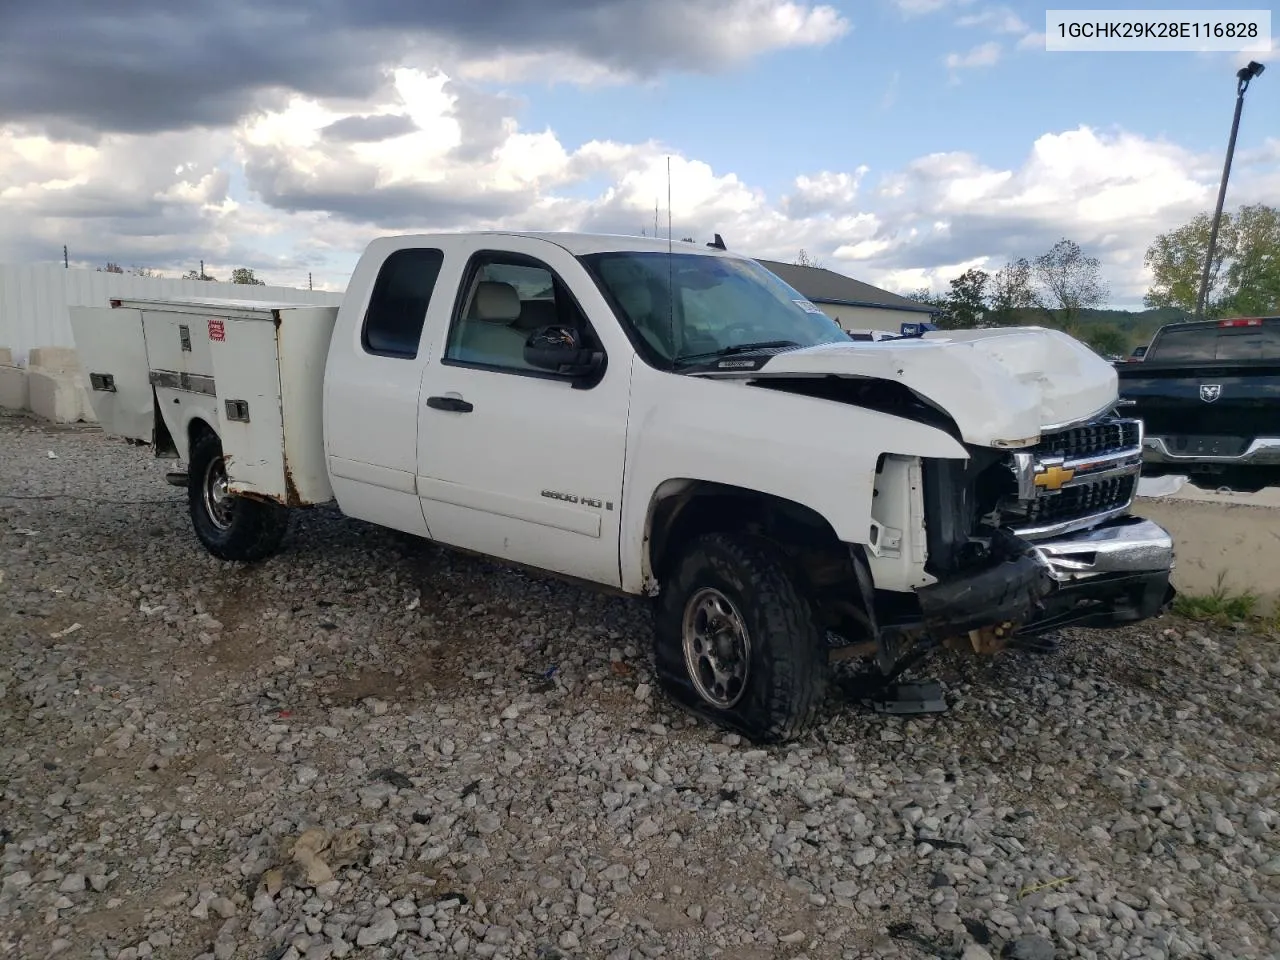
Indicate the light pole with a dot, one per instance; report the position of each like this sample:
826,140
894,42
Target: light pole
1243,76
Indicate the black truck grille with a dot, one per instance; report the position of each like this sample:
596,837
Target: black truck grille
1096,439
1076,503
1087,471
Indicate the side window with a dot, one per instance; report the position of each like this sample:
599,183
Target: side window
398,305
507,298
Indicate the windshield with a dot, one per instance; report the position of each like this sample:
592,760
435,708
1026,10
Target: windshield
719,304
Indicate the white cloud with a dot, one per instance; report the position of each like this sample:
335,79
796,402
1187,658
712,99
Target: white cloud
998,19
314,199
735,31
984,55
1032,41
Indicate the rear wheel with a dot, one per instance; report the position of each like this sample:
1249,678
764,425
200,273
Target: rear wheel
229,526
736,639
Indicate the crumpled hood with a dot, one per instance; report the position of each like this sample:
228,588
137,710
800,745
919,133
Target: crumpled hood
1002,387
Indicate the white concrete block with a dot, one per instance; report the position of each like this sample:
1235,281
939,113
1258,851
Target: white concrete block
6,357
13,388
86,402
54,359
54,396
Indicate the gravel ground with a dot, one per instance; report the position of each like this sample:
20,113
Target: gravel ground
375,748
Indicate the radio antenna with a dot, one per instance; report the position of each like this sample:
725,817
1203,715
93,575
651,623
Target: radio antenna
671,269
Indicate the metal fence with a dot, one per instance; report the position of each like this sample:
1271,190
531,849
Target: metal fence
34,299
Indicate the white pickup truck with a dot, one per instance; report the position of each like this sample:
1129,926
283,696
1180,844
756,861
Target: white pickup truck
670,422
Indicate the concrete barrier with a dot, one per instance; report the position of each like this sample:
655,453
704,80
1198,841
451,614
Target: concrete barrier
13,387
52,385
1227,540
54,396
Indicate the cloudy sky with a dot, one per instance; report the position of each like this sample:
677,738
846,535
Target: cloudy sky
899,141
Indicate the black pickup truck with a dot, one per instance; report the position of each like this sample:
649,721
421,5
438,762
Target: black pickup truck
1208,393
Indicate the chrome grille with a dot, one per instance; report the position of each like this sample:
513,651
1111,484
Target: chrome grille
1073,478
1100,438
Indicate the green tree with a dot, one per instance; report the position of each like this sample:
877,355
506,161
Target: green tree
197,275
1253,276
1107,339
1010,294
1176,261
1069,282
245,275
930,299
1244,277
966,303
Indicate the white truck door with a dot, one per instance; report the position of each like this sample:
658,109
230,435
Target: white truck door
514,462
114,354
371,388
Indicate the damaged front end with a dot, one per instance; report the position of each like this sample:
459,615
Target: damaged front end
1024,542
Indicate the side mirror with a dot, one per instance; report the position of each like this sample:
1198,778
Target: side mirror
560,350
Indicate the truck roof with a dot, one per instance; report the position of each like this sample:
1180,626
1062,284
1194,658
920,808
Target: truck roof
581,243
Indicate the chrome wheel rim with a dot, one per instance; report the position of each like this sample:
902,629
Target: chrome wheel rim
717,647
217,498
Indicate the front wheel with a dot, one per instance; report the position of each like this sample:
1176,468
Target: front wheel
736,640
230,527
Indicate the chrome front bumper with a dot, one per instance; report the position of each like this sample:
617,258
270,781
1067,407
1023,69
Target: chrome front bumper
1262,452
1115,573
1130,545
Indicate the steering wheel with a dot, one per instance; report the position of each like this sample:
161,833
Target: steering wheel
739,333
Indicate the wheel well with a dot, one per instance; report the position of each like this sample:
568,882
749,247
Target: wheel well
817,557
196,429
164,443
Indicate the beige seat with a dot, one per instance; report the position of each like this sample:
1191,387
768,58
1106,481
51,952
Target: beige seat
487,334
536,314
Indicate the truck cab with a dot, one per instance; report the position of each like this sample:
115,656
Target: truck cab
680,424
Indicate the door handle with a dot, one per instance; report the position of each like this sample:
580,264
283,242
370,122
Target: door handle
456,404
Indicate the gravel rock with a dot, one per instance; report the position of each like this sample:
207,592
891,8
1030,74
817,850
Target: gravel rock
382,927
1029,948
373,746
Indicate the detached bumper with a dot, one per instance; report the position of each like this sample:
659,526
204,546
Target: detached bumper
1115,573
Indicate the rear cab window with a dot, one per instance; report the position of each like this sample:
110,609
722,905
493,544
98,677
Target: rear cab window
398,304
1245,338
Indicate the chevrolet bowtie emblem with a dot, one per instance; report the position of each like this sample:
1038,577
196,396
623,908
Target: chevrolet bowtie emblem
1053,478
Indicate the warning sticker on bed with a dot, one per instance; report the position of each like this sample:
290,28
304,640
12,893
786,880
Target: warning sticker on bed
807,307
216,330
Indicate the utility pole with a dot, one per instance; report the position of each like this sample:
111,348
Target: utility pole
309,286
66,265
1243,76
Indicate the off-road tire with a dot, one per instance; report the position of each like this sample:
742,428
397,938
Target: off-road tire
256,529
788,673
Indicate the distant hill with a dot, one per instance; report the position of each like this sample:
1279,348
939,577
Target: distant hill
1134,326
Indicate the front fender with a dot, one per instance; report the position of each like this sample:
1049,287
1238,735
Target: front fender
821,454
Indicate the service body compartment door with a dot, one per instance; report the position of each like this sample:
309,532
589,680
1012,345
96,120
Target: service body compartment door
113,353
246,373
303,336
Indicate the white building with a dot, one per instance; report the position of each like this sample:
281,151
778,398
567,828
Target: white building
851,303
34,299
